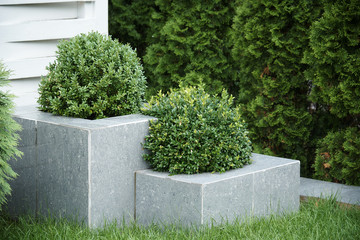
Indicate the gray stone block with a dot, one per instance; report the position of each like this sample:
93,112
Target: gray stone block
80,169
116,154
270,185
322,189
23,196
62,170
28,132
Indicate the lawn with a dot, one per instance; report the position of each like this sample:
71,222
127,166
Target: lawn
322,219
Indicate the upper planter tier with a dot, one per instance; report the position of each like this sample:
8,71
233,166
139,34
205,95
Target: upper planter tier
76,167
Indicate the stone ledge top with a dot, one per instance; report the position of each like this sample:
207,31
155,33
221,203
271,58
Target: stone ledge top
260,163
32,113
321,189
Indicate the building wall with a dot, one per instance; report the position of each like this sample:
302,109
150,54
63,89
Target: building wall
31,29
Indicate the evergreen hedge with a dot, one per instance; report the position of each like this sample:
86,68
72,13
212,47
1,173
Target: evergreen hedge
8,137
338,157
334,61
190,45
131,22
294,71
270,38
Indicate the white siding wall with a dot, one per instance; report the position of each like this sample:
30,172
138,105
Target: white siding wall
30,30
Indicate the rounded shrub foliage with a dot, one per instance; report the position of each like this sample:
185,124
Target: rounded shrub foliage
8,137
93,77
196,133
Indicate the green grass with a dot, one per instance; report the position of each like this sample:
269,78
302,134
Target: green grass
323,219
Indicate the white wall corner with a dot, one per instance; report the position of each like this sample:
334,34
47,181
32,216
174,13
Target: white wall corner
30,31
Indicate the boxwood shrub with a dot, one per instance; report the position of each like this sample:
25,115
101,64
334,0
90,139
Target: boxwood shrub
93,77
8,137
195,132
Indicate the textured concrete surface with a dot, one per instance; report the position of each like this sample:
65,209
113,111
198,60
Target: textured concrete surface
268,185
321,189
77,168
23,199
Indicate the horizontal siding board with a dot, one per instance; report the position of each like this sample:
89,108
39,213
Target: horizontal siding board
25,50
27,68
31,29
17,2
45,30
10,15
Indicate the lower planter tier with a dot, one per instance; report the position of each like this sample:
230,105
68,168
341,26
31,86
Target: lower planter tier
270,185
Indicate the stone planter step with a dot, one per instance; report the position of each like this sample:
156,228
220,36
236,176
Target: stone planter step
269,185
77,168
322,189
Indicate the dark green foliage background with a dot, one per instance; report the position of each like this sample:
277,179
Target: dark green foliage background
334,61
270,38
293,66
130,21
8,137
337,157
196,133
93,77
185,42
190,45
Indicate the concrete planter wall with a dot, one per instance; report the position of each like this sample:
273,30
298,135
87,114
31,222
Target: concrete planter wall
268,185
77,168
93,171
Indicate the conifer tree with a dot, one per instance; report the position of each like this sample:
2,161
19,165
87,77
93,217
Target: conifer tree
334,61
190,45
270,38
8,137
130,22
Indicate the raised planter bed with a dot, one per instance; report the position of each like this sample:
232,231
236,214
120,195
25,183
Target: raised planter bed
269,185
77,168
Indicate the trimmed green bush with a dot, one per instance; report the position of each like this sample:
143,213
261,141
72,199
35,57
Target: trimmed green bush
190,45
93,77
270,38
8,137
334,61
338,157
196,133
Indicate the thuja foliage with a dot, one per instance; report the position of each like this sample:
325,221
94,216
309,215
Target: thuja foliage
337,157
196,132
334,61
335,58
190,45
130,22
93,77
8,137
269,42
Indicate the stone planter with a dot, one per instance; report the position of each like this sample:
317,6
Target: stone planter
77,168
269,185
